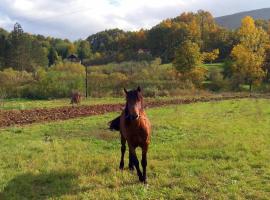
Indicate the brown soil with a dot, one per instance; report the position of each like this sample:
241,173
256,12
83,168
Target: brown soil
22,117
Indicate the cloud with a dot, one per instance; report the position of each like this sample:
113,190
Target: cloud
76,19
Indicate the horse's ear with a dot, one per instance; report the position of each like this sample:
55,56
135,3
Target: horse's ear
125,90
139,89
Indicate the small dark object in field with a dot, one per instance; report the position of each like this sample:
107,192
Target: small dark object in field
135,129
75,98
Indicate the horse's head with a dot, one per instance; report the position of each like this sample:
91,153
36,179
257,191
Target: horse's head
134,104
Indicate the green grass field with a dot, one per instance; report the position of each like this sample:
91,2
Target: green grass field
22,104
215,150
218,66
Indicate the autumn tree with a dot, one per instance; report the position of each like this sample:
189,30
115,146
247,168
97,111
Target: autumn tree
266,65
248,56
210,56
187,57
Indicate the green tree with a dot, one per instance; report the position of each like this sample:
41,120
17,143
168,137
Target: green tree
19,49
52,56
39,55
187,57
84,50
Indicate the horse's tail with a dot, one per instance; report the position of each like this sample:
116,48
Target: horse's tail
115,124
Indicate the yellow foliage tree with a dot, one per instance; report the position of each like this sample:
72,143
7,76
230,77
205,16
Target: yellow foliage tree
247,64
249,54
210,56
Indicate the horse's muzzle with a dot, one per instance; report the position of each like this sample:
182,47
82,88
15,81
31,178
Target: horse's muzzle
133,117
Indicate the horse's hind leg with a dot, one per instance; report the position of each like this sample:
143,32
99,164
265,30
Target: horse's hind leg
123,150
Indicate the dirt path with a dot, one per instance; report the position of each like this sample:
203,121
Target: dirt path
21,117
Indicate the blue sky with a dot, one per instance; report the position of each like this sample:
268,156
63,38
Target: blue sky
74,19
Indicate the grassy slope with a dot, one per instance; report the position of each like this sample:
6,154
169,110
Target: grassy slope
218,149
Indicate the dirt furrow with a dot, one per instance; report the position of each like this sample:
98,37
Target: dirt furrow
22,117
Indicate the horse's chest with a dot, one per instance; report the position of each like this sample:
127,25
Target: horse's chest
136,136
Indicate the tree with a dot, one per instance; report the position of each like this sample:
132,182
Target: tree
39,55
19,49
249,55
84,50
52,56
247,65
187,57
266,65
3,46
71,49
211,56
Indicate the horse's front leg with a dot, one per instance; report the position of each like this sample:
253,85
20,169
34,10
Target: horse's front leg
135,161
123,150
130,165
144,162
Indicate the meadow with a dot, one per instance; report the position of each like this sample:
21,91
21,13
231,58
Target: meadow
214,150
26,104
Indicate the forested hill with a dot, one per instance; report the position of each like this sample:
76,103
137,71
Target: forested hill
234,21
23,51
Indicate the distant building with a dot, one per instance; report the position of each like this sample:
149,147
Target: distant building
74,58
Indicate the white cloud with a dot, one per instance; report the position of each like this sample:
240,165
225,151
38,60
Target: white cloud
75,19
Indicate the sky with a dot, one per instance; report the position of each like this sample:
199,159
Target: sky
77,19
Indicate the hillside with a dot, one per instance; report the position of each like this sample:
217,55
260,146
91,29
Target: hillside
233,21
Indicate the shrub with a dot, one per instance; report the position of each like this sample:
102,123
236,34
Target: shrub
13,82
217,81
196,76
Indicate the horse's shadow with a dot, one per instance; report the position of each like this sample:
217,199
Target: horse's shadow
42,186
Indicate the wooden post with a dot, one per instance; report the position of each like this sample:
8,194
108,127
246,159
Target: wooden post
86,81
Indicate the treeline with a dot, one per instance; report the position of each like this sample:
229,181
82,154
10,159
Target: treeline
24,51
163,39
35,66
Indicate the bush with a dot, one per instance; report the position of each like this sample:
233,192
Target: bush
57,82
196,76
217,81
150,92
13,82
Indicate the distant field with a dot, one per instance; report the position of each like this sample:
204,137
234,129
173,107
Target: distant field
218,66
22,104
214,150
209,66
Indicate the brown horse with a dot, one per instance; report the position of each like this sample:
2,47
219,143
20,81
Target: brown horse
75,98
134,128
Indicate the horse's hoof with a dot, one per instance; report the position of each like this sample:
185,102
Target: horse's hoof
131,168
121,167
141,179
